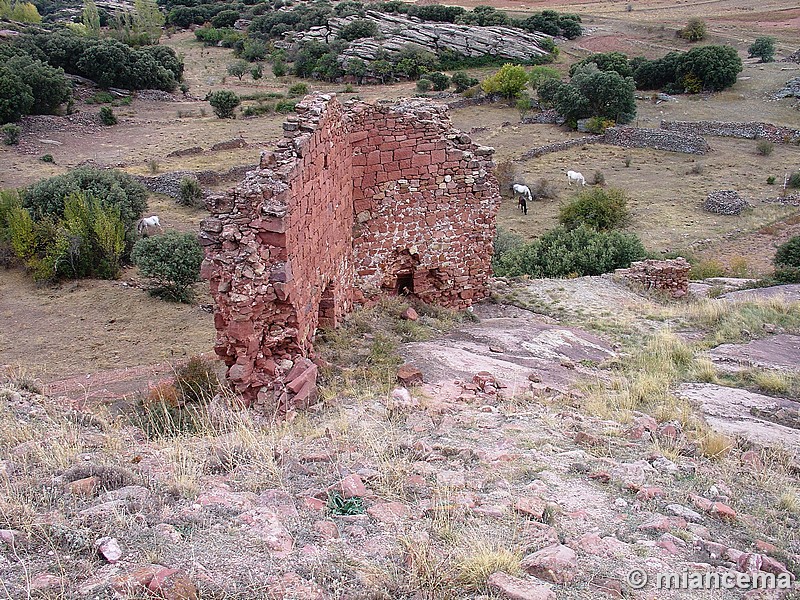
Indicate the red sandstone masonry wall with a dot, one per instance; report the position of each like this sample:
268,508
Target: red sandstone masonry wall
350,199
425,204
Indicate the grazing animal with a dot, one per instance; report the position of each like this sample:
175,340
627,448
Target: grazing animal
524,194
576,177
146,223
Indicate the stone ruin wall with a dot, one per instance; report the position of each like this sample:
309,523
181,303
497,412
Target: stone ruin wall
668,276
751,130
353,202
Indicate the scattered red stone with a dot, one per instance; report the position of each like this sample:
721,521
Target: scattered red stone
515,588
557,564
409,314
533,506
409,375
648,493
86,487
352,486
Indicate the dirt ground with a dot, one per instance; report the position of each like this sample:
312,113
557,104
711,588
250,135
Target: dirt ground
91,326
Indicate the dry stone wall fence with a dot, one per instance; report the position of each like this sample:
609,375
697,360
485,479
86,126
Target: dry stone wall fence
752,130
355,202
667,276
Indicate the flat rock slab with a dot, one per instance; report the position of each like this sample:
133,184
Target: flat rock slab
780,351
510,344
790,292
735,412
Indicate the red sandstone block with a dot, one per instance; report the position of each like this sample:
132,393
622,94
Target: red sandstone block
438,156
386,155
374,157
405,164
359,159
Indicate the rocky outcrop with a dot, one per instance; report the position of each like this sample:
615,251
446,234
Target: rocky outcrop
790,90
794,57
669,276
397,31
751,130
355,202
725,202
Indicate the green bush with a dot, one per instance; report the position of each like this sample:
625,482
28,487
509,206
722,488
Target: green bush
694,31
112,188
297,89
257,72
771,180
11,134
463,82
357,29
285,107
47,158
87,241
577,252
505,241
599,125
440,81
171,262
540,74
763,48
279,68
238,68
107,116
424,85
224,103
508,82
256,110
788,254
794,180
191,194
597,208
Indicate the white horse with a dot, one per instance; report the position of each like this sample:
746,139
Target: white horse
576,177
146,223
524,196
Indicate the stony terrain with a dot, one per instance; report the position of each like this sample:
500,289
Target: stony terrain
537,460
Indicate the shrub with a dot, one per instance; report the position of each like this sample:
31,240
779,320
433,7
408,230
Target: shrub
506,173
171,262
298,89
508,82
763,48
694,31
11,134
107,116
794,180
765,147
524,105
279,68
541,73
285,107
599,125
596,208
196,381
191,194
224,103
357,29
87,241
561,252
112,188
505,241
788,254
47,158
424,85
599,178
706,269
462,81
238,68
440,81
257,72
544,190
771,180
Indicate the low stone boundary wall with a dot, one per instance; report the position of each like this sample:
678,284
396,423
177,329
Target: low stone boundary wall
638,137
630,137
751,130
169,184
669,276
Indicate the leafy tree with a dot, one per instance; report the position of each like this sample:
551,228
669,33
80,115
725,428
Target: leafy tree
238,68
382,69
436,12
148,19
763,48
360,28
357,68
605,61
484,16
541,73
257,72
253,50
597,208
694,31
788,253
607,94
16,96
24,12
225,18
508,82
414,61
462,81
279,67
171,262
716,67
655,74
105,62
91,18
10,134
224,103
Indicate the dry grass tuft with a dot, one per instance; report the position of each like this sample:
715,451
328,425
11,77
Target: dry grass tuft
715,445
474,568
772,382
789,502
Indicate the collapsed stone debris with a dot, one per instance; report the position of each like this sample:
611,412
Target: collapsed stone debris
668,276
356,202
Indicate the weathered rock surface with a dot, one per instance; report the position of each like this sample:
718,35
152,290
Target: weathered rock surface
738,412
779,352
397,31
